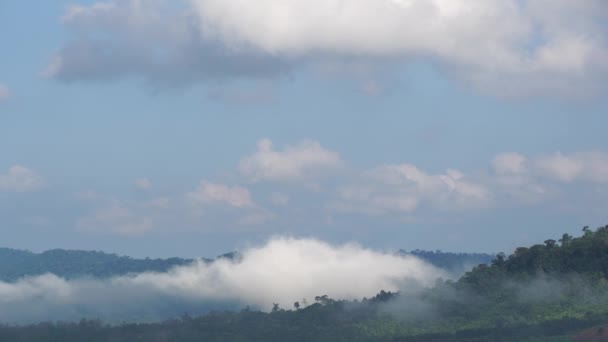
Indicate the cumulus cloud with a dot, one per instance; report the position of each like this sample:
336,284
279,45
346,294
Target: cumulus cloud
301,162
282,271
20,179
235,196
582,166
404,187
511,47
159,41
5,93
513,179
236,199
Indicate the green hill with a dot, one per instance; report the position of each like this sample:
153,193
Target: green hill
15,264
547,292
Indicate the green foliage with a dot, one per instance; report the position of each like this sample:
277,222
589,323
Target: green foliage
546,292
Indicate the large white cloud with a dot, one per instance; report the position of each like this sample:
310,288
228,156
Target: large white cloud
301,162
20,179
507,46
282,271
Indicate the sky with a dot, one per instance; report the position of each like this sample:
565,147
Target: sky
196,127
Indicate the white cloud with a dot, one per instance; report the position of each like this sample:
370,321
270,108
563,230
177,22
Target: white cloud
513,178
302,162
5,93
282,271
510,47
158,40
236,200
509,164
404,187
20,179
235,196
582,166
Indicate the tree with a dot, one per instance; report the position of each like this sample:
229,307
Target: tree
550,243
566,239
296,305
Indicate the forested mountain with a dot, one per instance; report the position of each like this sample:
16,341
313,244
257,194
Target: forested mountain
546,292
68,264
455,263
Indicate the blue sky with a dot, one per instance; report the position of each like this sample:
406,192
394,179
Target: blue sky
192,128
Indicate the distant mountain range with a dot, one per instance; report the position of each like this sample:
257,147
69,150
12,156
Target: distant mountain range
455,263
70,264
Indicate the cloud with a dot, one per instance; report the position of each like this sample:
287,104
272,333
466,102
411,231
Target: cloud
235,196
159,41
236,199
283,271
513,179
583,166
5,93
20,179
302,162
210,206
507,47
403,188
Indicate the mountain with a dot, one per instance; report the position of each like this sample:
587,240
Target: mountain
69,264
555,291
455,263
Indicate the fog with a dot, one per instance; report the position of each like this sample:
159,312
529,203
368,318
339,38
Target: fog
283,270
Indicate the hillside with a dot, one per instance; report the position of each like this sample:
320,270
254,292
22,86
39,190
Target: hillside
455,263
548,292
69,264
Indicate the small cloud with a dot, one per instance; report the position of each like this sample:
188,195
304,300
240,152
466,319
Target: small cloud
294,163
403,188
20,179
235,196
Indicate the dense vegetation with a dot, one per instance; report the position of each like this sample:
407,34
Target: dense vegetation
546,292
